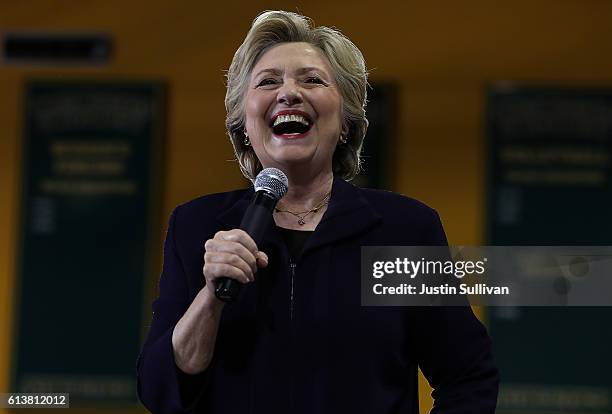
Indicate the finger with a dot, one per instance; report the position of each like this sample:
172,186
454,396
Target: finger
232,247
240,236
231,259
262,259
213,271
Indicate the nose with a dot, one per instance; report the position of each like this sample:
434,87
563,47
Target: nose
289,94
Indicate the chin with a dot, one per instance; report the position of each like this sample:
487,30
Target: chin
288,157
291,150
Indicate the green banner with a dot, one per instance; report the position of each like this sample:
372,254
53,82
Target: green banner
550,184
92,168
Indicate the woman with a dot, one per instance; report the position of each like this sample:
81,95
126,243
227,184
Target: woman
298,340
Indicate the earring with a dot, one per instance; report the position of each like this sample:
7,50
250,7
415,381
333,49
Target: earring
343,139
246,141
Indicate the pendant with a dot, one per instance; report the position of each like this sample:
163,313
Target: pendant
301,221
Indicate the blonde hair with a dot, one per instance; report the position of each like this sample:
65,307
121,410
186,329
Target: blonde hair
275,27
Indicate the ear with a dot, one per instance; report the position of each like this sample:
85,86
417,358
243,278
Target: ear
345,129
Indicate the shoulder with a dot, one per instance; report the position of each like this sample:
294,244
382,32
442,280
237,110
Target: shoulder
216,202
421,222
203,211
393,204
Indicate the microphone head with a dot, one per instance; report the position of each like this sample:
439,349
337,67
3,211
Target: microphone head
273,181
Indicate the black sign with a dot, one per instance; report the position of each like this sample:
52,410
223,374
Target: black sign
550,183
92,167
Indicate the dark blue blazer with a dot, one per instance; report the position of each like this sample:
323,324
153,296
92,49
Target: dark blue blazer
302,342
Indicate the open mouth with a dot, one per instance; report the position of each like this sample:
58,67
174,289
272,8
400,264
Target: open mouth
291,125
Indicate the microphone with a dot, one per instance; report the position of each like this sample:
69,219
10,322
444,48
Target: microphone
271,184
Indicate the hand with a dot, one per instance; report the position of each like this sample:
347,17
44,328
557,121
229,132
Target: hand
231,254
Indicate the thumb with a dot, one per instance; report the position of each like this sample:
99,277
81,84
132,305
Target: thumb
262,259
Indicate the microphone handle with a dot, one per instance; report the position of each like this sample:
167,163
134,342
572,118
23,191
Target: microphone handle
255,223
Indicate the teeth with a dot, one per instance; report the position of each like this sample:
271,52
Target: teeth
290,118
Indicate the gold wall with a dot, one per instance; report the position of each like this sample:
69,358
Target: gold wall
441,54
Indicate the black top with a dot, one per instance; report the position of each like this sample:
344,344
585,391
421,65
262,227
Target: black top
309,346
295,241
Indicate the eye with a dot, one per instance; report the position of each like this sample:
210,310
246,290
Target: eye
266,82
315,80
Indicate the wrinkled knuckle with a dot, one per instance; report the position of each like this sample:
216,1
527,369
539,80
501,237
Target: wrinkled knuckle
217,268
209,245
230,235
223,269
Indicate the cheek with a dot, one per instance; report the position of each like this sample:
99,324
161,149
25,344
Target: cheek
332,108
250,111
254,109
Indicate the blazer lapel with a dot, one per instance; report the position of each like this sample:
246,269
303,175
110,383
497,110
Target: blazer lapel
348,213
232,217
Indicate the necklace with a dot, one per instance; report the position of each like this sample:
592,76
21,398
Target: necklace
303,214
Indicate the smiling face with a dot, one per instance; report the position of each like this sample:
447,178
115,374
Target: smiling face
293,108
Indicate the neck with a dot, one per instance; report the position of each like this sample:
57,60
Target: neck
307,191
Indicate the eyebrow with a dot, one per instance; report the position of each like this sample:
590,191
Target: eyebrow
300,71
270,70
